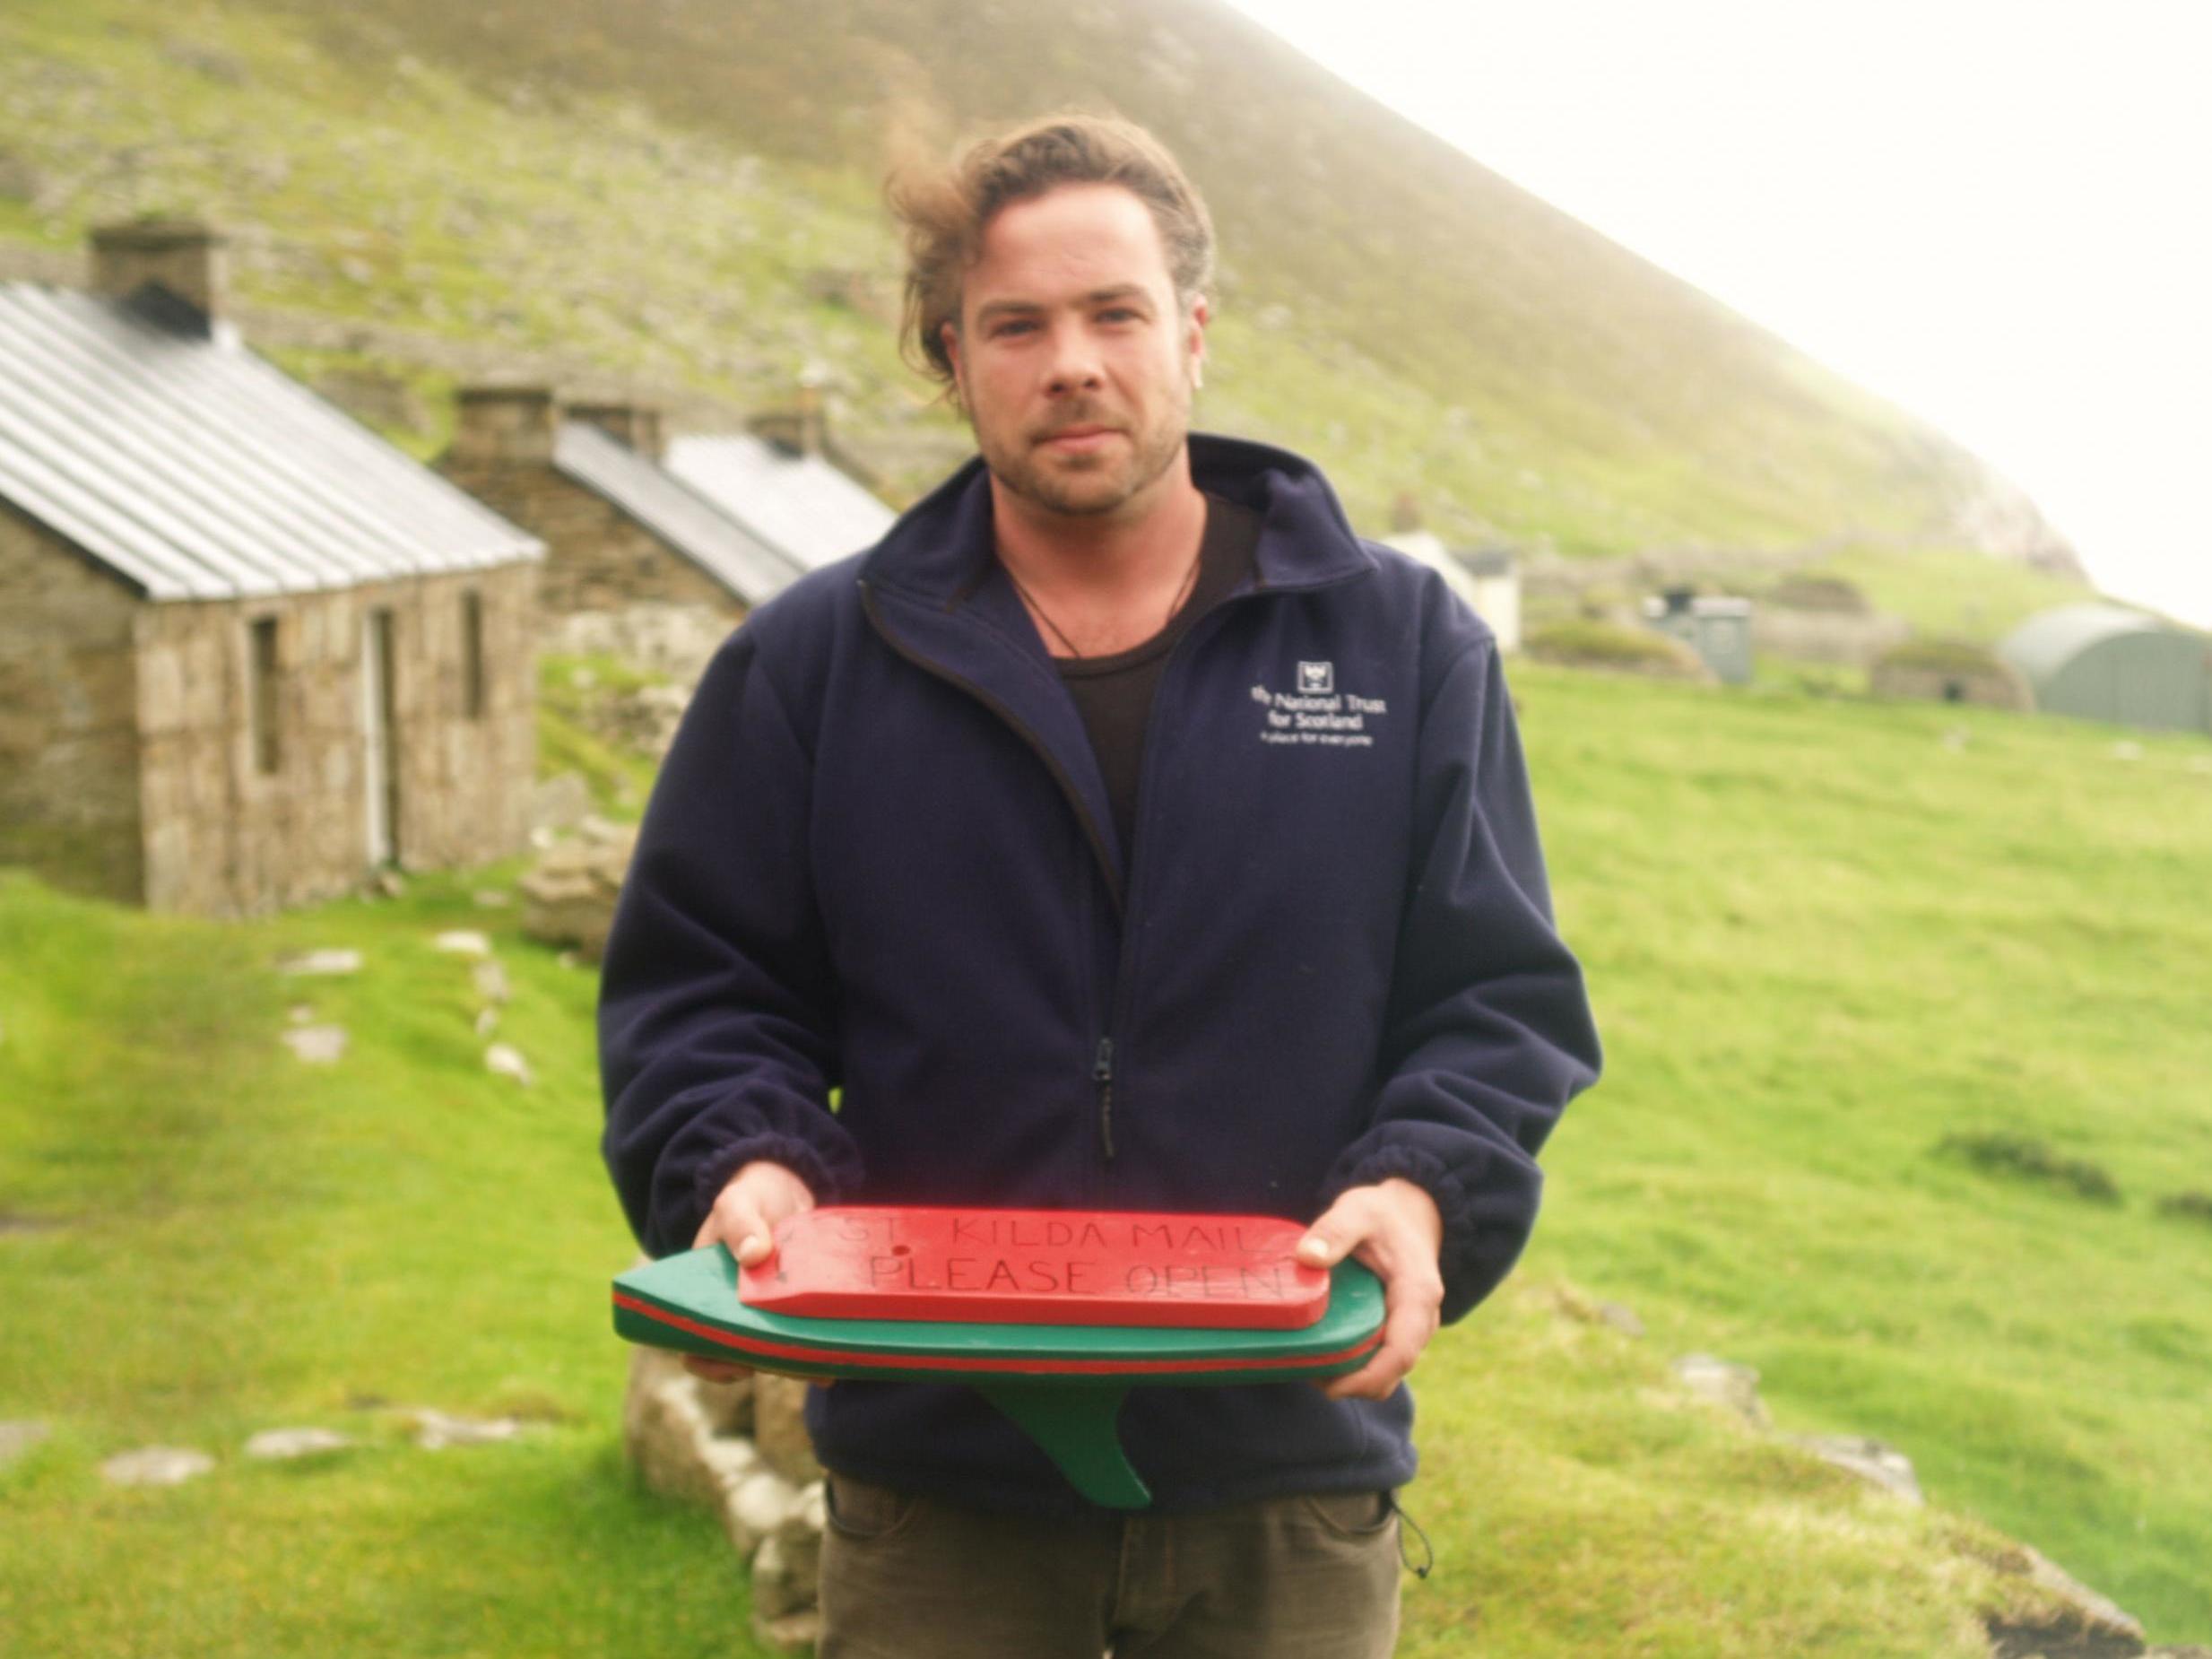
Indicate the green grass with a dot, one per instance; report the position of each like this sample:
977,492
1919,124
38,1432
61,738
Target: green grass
656,196
1821,939
1823,942
1588,643
238,1241
1953,592
571,691
223,1240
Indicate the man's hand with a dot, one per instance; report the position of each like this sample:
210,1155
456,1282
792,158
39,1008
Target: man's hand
1394,1228
744,1217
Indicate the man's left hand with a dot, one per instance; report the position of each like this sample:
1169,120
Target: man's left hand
1393,1227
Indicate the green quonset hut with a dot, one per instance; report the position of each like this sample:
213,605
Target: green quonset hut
2098,662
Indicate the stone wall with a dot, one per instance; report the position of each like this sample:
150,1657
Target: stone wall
224,836
597,557
68,741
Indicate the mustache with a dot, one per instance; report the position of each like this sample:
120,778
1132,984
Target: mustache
1074,417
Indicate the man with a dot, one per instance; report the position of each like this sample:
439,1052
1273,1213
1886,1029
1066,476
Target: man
1122,832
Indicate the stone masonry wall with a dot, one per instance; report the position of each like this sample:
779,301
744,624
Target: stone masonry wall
223,838
597,558
68,746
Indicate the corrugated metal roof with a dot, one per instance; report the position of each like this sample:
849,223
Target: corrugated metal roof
193,469
2045,643
801,505
695,526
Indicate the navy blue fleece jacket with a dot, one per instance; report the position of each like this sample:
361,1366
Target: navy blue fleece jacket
881,858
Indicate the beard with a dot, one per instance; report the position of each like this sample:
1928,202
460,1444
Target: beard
1087,485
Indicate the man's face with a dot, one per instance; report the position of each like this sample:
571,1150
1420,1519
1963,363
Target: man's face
1073,359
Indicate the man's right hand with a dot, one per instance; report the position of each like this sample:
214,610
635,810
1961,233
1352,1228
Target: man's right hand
744,1217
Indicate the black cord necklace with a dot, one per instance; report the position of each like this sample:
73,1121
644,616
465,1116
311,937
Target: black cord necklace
1183,593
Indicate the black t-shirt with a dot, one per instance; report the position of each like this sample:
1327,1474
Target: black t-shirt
1115,693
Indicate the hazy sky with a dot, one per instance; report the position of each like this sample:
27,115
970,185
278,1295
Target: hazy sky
1997,215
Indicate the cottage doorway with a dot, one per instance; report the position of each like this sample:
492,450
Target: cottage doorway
379,739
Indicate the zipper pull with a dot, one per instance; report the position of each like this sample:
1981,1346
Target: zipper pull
1102,1074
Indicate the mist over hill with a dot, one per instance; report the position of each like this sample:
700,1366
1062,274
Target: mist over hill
682,195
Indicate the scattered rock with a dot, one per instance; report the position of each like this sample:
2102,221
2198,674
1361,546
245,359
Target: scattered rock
673,639
1724,1383
1956,739
18,1438
388,882
317,1045
779,1427
728,1405
668,1431
779,1588
1870,1460
2126,751
560,802
794,1633
320,963
490,978
287,1443
300,1013
436,1431
2082,1625
487,1021
1620,1317
505,1060
492,898
761,1503
156,1465
461,941
569,897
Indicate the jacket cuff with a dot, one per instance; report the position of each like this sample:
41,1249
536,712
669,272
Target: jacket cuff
800,1157
1461,1260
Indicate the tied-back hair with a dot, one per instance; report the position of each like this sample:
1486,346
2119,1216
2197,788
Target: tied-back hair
944,209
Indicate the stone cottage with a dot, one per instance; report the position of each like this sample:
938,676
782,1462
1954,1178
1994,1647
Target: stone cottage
249,651
786,483
620,530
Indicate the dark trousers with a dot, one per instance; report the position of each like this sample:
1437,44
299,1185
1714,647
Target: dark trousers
905,1577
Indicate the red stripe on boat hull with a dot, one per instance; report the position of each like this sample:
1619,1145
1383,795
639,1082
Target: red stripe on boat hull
958,1362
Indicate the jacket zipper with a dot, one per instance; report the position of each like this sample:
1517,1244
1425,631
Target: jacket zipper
1102,1073
1102,1061
1102,1070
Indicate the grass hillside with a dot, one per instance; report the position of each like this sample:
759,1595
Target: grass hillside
682,195
206,1237
1876,981
1878,984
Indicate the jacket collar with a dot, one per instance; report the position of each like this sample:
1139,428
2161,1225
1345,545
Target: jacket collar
935,590
940,547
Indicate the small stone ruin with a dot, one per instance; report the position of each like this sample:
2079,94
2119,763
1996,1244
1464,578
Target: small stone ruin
740,1449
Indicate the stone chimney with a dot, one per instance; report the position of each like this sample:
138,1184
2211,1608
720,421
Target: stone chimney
800,430
182,256
503,423
636,425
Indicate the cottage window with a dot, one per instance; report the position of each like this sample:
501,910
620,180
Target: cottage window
472,654
262,703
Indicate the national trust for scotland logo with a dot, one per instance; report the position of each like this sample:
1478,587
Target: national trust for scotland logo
1316,715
